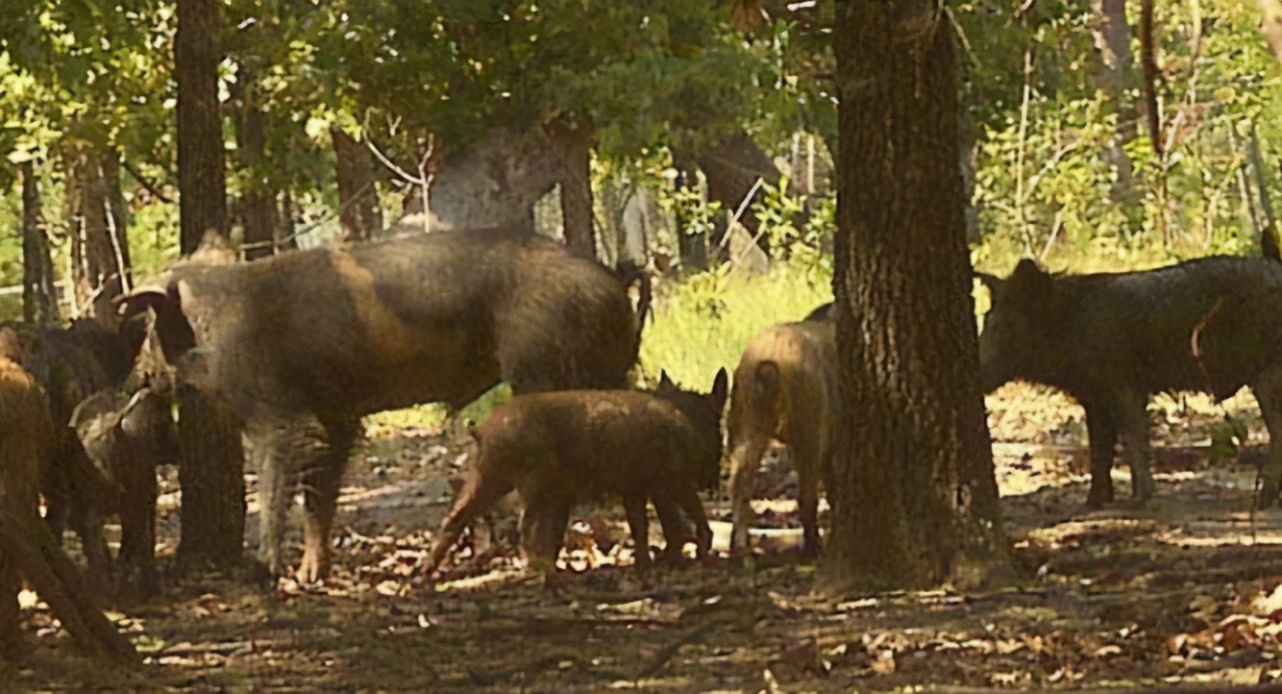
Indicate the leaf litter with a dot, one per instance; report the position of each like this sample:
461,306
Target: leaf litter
1186,590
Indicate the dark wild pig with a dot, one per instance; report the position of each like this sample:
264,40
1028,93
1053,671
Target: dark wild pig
28,441
558,448
302,345
70,364
1111,340
127,432
784,389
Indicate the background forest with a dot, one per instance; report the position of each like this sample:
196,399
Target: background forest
696,141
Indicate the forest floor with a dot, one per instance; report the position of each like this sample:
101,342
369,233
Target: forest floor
1181,591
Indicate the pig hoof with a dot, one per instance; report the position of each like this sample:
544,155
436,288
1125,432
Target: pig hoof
310,570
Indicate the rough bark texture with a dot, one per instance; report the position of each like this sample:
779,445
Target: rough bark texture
258,199
492,183
358,211
213,505
202,182
100,246
209,472
1115,73
576,190
39,296
914,498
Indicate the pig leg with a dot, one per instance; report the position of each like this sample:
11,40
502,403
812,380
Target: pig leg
10,616
476,497
677,529
745,459
687,499
1132,430
321,481
1102,432
805,456
543,523
1268,392
639,525
283,446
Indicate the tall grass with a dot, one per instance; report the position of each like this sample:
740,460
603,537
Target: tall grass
703,323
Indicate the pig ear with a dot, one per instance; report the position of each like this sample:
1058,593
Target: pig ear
720,389
664,381
990,281
141,299
1030,279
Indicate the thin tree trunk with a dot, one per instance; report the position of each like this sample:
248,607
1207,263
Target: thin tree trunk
258,198
1115,73
913,493
101,246
39,295
211,473
576,191
285,239
358,210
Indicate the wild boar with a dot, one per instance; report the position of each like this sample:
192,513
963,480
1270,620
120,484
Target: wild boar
557,448
127,432
821,312
28,442
70,364
785,388
1111,340
302,345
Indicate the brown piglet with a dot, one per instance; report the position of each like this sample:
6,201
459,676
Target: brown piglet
560,447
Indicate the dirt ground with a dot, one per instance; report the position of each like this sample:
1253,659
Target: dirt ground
1181,591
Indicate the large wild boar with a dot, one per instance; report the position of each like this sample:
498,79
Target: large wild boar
558,448
1111,340
301,346
785,388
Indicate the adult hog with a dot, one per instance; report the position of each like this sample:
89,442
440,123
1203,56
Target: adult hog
558,448
785,389
1111,340
302,345
821,312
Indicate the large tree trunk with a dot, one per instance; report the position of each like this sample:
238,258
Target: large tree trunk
358,210
493,183
913,493
39,295
211,472
1115,72
258,195
576,190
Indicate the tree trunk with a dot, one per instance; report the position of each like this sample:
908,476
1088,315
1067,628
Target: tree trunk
913,493
285,239
692,247
258,196
211,474
358,210
202,180
576,190
39,295
100,246
1115,73
493,183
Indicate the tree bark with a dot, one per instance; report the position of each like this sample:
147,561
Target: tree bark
39,295
913,493
358,210
495,182
211,475
576,190
1115,72
258,194
100,246
202,179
